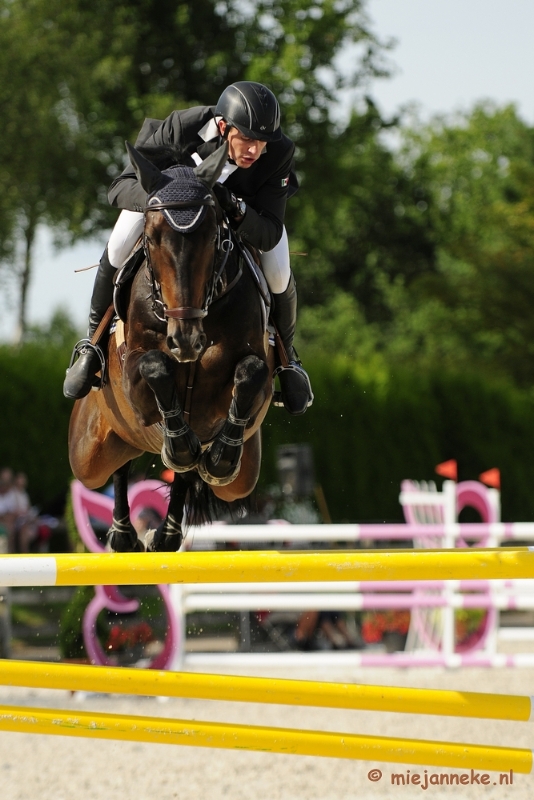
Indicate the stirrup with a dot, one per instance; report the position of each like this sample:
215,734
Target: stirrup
80,348
295,366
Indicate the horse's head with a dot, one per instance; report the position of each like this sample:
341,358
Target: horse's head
180,243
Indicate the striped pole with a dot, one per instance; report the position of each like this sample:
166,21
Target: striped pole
520,587
351,602
271,740
122,569
235,688
285,532
354,660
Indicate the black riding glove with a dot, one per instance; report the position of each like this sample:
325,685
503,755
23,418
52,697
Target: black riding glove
228,202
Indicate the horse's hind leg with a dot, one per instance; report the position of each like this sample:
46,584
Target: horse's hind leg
168,537
122,536
221,463
181,448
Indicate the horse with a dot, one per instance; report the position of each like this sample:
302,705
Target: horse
195,381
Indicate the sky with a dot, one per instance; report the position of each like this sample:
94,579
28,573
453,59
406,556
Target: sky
449,54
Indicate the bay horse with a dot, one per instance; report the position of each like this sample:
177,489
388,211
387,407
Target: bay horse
195,381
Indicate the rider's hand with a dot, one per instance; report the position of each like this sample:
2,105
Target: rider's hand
228,202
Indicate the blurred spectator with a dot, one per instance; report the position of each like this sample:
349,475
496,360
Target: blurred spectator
25,527
22,529
20,495
7,504
148,519
328,625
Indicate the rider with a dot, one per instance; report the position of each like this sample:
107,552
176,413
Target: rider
253,188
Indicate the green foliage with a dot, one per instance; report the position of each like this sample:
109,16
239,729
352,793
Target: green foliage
477,305
46,174
361,221
70,633
35,417
74,539
371,428
58,333
423,257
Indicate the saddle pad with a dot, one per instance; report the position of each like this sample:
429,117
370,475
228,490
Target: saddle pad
263,287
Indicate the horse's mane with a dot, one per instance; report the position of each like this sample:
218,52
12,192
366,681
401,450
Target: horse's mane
164,156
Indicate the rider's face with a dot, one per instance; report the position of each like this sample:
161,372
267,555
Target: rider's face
244,151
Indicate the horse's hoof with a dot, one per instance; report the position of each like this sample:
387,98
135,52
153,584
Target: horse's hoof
206,470
170,464
157,542
116,543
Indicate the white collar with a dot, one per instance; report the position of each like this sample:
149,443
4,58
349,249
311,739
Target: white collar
227,169
210,130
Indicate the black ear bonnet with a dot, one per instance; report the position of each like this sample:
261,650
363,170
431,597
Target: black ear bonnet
183,186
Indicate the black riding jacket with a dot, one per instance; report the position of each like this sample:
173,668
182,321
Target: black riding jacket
265,186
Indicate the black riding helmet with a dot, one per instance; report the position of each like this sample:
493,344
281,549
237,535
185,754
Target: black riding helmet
251,108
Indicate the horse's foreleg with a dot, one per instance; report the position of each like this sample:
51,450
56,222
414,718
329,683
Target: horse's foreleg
249,472
122,536
168,537
181,448
221,463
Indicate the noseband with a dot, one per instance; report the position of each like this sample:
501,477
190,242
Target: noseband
184,312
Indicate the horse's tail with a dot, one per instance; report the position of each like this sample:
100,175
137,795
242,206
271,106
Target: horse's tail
203,507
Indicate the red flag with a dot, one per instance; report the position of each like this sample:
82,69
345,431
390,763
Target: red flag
448,469
492,477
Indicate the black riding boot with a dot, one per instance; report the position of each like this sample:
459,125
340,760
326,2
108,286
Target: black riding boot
295,388
81,373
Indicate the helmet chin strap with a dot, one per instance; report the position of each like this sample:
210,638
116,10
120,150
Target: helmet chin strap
223,137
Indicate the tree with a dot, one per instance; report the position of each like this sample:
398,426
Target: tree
362,220
476,307
44,166
85,76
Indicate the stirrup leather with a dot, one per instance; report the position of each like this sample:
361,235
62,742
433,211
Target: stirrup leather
296,367
80,348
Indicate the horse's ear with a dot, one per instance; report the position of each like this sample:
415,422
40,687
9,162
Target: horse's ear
148,175
209,171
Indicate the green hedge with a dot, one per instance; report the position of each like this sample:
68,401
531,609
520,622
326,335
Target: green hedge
34,418
369,429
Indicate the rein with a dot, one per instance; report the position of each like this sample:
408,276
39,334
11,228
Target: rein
224,245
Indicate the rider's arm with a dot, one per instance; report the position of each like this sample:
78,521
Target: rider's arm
126,192
262,228
263,222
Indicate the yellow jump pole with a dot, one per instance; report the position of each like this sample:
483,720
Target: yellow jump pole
92,569
270,740
123,680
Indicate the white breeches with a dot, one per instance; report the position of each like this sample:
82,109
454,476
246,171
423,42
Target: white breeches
276,266
124,235
129,227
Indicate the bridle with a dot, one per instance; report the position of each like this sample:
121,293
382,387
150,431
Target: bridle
224,246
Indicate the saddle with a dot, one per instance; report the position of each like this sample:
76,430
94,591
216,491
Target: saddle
124,279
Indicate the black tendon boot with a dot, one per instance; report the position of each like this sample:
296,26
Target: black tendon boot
295,388
81,375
